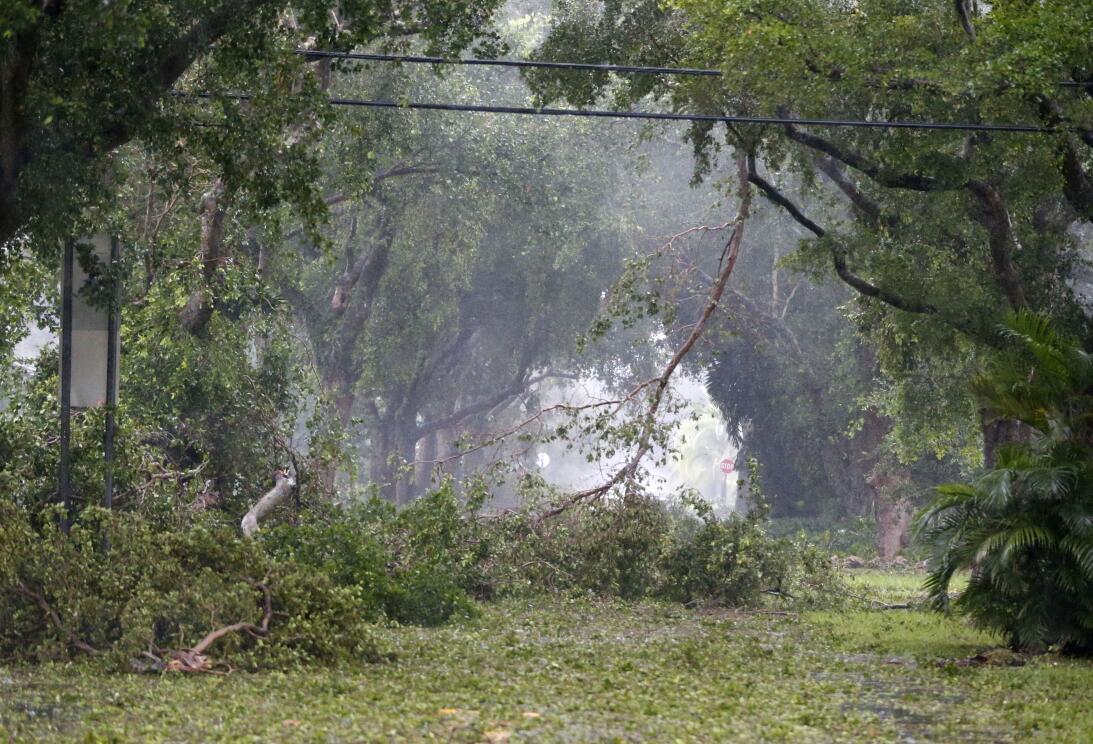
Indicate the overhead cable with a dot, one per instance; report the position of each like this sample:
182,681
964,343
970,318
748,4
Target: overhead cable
667,116
529,63
525,63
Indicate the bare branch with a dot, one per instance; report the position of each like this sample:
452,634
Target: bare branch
498,400
257,630
282,489
838,254
627,473
883,176
866,207
777,197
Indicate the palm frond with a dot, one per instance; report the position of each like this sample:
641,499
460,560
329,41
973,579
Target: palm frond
1024,529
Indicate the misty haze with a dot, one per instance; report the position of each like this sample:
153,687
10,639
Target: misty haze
546,370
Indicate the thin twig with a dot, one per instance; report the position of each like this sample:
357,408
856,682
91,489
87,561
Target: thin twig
660,384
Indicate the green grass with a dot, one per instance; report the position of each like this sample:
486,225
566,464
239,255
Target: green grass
880,587
554,669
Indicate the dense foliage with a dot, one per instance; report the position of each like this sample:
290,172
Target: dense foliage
939,233
155,592
80,79
139,596
1025,528
372,306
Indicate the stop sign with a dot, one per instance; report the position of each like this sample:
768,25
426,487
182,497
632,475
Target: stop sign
727,466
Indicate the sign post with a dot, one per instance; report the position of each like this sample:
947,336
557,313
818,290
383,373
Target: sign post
64,468
112,318
89,354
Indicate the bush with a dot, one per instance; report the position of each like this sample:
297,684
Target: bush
637,547
609,548
735,562
1024,530
850,536
316,590
154,592
413,566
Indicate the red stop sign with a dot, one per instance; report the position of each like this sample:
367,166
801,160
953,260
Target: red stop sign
727,466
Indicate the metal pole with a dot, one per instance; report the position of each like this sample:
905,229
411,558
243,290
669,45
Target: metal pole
112,318
64,473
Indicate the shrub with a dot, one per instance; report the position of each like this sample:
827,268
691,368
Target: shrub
1024,530
734,561
315,590
320,585
410,566
155,592
637,547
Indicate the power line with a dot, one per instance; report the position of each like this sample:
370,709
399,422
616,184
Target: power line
527,63
664,116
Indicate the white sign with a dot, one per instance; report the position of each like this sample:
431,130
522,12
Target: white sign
90,333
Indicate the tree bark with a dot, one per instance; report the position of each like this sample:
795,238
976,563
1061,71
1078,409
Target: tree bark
892,510
1001,241
282,489
198,311
997,433
16,66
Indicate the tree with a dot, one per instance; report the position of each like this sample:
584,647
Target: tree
79,79
940,233
92,140
438,314
1023,529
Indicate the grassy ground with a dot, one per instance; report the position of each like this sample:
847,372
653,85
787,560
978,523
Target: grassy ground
589,670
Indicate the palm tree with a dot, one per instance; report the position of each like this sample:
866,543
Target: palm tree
1024,530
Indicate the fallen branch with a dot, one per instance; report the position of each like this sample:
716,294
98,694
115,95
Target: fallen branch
282,489
54,617
627,472
616,404
195,659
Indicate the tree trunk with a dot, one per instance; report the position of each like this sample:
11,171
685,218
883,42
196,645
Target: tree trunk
198,311
743,485
16,65
426,462
997,433
403,469
341,399
382,468
893,513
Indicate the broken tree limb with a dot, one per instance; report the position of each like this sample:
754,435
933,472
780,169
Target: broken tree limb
54,617
257,631
282,489
195,659
658,385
